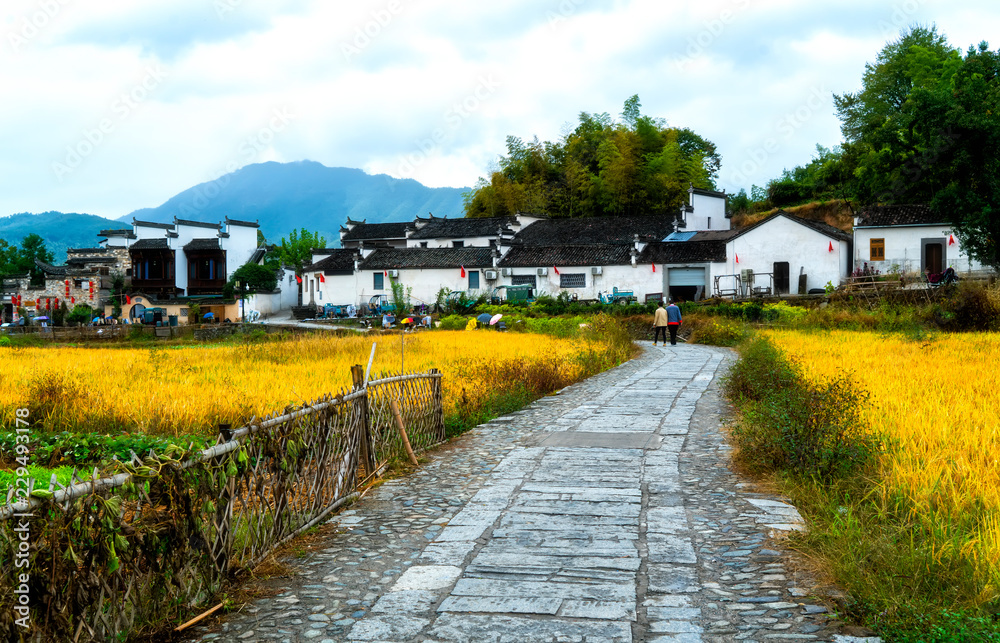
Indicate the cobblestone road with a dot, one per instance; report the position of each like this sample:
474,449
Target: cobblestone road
604,513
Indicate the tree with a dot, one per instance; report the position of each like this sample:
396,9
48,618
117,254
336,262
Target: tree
601,168
296,249
925,128
253,278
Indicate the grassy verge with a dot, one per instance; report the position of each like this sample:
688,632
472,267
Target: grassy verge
808,438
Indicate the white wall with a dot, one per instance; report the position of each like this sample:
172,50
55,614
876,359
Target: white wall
470,242
425,283
903,248
640,279
239,246
709,213
782,239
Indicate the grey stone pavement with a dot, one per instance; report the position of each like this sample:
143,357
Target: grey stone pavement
607,512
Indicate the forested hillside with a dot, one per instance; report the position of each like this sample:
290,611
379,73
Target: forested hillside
638,165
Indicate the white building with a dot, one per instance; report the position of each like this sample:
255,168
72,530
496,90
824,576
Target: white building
907,238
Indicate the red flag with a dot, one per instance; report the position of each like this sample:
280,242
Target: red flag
322,279
128,300
463,271
831,246
385,273
737,258
72,300
654,267
951,239
298,279
556,269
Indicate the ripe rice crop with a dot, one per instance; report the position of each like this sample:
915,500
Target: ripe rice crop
192,389
938,401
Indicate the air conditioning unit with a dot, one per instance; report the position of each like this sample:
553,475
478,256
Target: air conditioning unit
597,270
393,274
541,272
507,272
490,275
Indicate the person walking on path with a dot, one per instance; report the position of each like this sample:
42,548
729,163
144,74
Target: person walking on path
660,324
673,314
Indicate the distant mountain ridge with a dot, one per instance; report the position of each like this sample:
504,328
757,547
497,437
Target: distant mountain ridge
305,194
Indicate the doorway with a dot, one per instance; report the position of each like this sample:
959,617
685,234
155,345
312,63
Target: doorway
934,257
780,270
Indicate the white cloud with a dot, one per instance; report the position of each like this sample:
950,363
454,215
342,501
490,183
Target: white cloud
427,90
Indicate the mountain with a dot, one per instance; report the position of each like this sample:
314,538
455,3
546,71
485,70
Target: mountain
305,194
60,230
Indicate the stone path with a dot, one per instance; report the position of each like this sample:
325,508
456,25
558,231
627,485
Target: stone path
604,513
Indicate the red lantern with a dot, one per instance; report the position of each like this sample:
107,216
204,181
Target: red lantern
67,287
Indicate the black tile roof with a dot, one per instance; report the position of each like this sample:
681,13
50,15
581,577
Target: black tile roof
149,244
591,254
197,224
85,250
242,223
373,231
588,230
462,228
704,192
818,226
880,216
386,258
128,234
84,260
684,252
49,269
340,261
201,244
150,224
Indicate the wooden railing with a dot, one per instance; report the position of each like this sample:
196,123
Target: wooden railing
106,555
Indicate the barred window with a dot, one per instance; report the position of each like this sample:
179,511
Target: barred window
523,280
379,282
573,280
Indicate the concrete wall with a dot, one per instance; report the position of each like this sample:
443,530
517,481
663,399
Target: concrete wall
709,213
782,239
239,246
641,280
470,242
903,248
425,283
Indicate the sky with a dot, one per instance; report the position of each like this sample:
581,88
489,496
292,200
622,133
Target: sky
108,106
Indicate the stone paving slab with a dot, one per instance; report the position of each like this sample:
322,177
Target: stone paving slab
604,513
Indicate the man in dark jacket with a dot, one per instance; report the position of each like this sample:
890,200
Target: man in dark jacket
673,321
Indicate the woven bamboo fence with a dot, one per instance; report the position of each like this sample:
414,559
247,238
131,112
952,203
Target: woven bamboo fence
106,556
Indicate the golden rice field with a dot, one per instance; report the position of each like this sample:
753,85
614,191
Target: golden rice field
192,389
941,401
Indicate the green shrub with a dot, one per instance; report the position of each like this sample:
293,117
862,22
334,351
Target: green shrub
716,333
4,341
453,322
791,425
969,306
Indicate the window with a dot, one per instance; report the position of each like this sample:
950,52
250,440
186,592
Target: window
573,280
523,280
184,312
877,250
457,244
423,244
379,283
473,280
709,226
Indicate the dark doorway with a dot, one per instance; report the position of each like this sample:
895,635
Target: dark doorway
934,257
780,270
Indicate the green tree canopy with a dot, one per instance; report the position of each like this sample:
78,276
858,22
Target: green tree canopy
602,168
925,128
20,260
254,278
296,249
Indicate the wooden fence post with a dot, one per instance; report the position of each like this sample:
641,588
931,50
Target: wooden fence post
366,456
223,516
438,404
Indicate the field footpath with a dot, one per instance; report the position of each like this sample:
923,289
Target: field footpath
604,513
